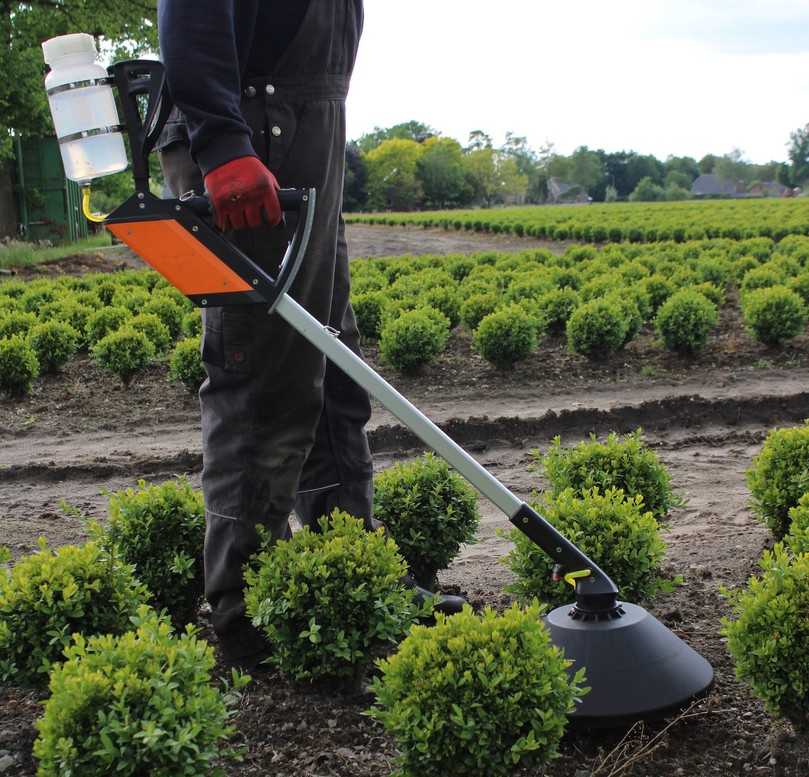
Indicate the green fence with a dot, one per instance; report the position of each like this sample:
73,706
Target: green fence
49,204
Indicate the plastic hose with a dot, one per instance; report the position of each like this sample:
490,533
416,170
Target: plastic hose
96,218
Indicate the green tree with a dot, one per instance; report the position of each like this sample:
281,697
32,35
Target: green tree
732,167
481,174
799,154
355,183
406,130
440,170
392,180
678,179
707,163
647,191
478,140
587,170
121,27
682,164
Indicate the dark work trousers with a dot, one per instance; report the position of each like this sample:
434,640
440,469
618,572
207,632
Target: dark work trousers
281,428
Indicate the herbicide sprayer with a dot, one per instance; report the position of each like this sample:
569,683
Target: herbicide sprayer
636,667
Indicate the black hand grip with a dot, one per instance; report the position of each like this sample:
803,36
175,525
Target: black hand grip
292,200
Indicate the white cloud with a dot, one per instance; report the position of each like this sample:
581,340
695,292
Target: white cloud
626,74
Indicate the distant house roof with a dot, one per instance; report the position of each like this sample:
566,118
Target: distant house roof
559,189
769,189
710,185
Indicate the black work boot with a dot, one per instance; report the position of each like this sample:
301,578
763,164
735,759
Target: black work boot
443,603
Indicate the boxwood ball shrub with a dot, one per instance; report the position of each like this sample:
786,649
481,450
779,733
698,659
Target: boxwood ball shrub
413,339
160,531
54,342
16,323
104,321
327,599
506,336
685,320
369,308
429,510
554,308
779,476
476,695
797,539
774,314
477,306
154,329
192,324
614,530
137,704
18,365
47,596
124,352
168,311
186,364
769,635
617,462
597,329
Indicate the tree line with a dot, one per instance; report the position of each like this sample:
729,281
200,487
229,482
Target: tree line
411,166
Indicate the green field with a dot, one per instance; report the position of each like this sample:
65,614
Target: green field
620,222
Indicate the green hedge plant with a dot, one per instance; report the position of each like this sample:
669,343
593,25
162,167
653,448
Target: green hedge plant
554,308
124,352
617,462
137,704
506,336
105,321
19,365
51,594
797,539
769,635
413,339
160,531
369,309
597,329
616,531
327,599
779,476
477,306
477,695
429,510
54,342
685,320
774,314
186,364
17,323
154,329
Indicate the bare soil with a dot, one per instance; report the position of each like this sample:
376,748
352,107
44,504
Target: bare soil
79,433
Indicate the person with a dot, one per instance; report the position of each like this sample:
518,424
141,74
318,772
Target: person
259,88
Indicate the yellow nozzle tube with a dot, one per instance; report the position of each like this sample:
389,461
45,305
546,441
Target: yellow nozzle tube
96,218
572,577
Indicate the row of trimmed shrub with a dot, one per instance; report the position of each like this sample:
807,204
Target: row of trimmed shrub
331,596
619,222
601,299
125,320
327,600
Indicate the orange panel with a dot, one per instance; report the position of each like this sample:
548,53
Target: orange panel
176,254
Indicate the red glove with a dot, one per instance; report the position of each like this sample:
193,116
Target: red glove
240,190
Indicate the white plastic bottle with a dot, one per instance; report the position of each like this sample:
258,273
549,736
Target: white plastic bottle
83,108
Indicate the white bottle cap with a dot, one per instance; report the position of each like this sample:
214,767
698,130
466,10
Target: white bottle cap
69,45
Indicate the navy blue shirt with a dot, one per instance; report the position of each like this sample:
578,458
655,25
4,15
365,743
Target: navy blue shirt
208,47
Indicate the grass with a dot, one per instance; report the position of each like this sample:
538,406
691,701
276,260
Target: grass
20,254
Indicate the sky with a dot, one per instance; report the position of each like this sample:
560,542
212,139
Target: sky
665,77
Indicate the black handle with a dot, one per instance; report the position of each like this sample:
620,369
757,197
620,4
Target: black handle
292,201
135,78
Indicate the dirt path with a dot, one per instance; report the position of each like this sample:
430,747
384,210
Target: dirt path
363,240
